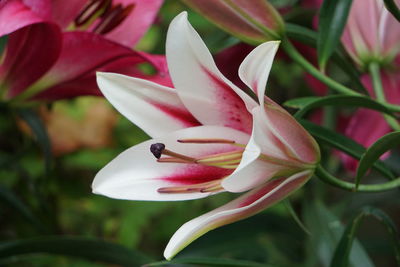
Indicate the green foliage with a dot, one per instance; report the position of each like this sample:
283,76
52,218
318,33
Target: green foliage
43,193
372,154
342,251
88,248
306,104
332,19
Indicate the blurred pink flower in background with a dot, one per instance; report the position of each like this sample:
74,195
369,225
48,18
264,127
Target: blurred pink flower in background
372,33
55,47
366,126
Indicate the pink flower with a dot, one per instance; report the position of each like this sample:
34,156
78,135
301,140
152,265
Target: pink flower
371,33
208,137
366,126
55,47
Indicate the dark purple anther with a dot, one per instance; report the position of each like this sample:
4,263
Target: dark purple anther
157,149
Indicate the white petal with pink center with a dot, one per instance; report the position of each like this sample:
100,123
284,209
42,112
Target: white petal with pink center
137,175
209,96
154,108
194,162
265,157
245,206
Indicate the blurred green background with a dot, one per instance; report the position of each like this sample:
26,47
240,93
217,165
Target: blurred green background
50,195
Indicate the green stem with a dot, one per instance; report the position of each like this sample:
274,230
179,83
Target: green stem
292,52
322,174
298,58
380,94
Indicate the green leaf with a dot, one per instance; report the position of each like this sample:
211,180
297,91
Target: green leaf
309,37
295,217
307,103
90,249
341,256
301,102
344,144
9,197
332,19
209,262
392,7
326,231
376,150
40,133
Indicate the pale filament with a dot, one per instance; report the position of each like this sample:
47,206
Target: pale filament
211,186
226,160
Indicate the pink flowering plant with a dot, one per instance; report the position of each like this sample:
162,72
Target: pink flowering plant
249,133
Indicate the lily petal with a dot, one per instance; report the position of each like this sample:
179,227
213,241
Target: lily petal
126,177
64,12
15,14
87,85
137,23
82,53
298,142
361,120
199,83
252,170
40,42
238,209
254,70
154,108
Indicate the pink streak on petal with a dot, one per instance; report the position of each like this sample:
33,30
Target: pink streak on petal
181,115
197,174
232,107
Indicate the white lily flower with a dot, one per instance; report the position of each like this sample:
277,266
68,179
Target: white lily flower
209,136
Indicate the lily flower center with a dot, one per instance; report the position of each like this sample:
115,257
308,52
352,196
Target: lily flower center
226,160
102,12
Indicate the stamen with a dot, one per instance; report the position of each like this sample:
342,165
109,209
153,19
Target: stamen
179,156
112,18
221,157
206,141
92,10
211,186
171,160
158,149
